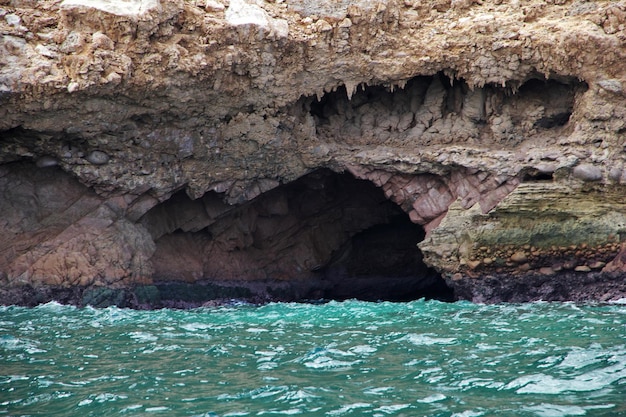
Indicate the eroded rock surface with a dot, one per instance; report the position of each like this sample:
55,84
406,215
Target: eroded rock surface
255,143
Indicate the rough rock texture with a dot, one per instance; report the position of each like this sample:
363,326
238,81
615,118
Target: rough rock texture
275,144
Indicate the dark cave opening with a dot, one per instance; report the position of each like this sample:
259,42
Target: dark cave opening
384,262
531,175
325,236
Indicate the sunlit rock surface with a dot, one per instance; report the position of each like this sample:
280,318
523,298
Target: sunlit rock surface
117,7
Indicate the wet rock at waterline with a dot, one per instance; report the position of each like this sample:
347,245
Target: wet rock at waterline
387,151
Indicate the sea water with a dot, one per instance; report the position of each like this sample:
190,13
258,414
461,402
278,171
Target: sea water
423,358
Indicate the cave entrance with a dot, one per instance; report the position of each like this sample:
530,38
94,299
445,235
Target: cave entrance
374,255
325,235
383,262
354,241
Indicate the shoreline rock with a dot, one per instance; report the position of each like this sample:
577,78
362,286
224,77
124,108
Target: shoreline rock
208,141
561,286
493,288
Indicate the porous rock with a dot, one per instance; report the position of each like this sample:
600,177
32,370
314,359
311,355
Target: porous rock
97,157
587,172
214,137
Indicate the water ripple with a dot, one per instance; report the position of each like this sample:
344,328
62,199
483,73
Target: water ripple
338,359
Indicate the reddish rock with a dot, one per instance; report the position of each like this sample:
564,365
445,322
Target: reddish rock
618,264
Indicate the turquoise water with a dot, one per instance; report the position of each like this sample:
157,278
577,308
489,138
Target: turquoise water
422,358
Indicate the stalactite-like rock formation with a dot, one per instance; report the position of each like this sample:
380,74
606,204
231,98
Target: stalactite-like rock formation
296,150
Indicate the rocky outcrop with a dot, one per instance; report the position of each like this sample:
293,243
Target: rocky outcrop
302,150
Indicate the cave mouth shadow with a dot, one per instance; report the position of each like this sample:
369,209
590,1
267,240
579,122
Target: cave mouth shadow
323,236
377,259
438,108
384,263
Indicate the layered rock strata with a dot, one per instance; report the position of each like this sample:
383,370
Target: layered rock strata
296,150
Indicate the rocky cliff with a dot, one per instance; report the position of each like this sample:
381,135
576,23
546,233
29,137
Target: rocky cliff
288,149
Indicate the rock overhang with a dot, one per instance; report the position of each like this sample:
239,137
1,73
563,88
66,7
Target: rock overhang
183,98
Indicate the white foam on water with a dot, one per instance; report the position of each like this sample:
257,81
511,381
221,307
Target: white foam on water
289,412
15,378
432,398
266,366
264,392
324,362
468,413
143,336
168,348
554,410
377,390
590,381
10,342
362,349
348,409
297,396
110,397
194,327
427,339
156,409
276,351
184,371
131,408
256,330
390,409
581,358
479,382
339,352
84,402
428,371
54,306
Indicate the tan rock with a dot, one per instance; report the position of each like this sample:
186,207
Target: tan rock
213,6
473,264
323,26
345,23
597,265
569,265
519,257
101,41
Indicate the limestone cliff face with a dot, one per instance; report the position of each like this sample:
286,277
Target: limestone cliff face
146,141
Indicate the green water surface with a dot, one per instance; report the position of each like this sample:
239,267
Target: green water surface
422,358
